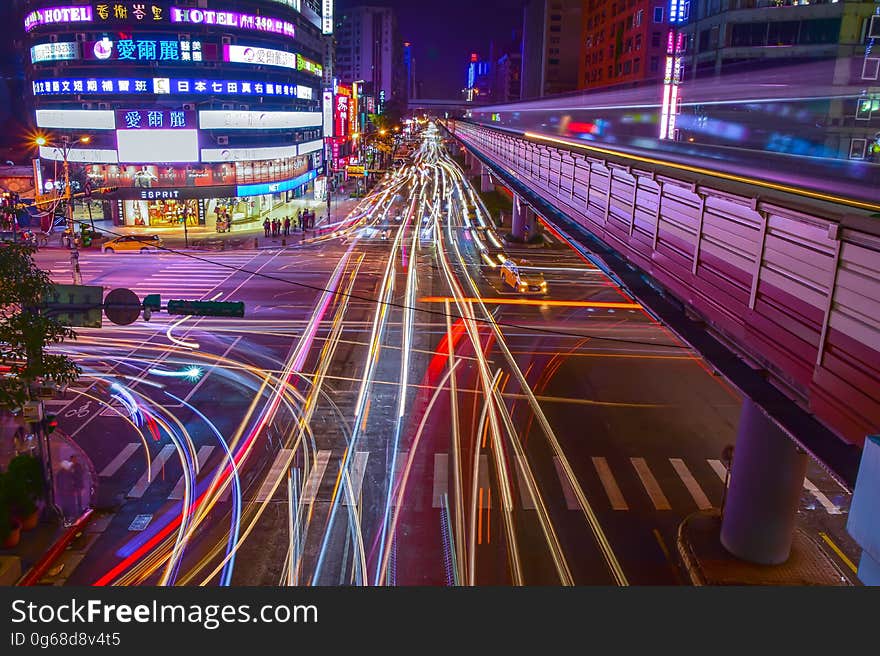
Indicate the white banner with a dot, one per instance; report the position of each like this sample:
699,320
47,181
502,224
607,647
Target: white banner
231,120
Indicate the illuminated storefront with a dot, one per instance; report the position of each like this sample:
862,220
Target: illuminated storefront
192,113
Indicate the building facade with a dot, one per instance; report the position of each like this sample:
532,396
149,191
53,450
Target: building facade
830,45
191,113
551,47
368,48
623,43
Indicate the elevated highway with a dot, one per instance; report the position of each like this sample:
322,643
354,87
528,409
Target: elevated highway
779,288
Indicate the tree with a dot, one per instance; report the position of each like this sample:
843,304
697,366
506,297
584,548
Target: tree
26,331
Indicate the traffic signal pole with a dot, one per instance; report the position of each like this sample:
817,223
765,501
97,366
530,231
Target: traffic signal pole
68,196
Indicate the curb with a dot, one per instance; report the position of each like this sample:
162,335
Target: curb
689,561
42,566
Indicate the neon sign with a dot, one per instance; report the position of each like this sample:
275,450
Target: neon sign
308,65
154,119
148,50
52,15
232,19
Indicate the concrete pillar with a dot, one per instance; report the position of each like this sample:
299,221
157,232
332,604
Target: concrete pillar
864,521
766,482
485,180
523,223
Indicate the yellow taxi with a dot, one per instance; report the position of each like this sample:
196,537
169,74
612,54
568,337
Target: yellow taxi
133,243
531,282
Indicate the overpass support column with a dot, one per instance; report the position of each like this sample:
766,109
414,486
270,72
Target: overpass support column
766,481
485,180
523,220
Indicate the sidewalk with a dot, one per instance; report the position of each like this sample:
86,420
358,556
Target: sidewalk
241,235
707,562
35,543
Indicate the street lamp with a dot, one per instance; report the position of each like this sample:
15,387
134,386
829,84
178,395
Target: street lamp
65,147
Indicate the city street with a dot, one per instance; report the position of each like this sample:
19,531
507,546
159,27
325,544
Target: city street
391,412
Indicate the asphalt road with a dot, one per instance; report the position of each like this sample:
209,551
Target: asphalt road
333,436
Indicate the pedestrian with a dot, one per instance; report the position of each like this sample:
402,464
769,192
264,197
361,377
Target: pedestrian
274,228
81,486
287,226
277,227
64,492
299,219
266,226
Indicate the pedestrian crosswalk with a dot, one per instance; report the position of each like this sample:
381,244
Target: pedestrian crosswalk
661,484
191,278
608,483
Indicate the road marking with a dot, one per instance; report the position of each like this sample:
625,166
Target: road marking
570,498
202,457
719,469
278,465
615,496
821,498
402,458
315,476
356,475
839,553
158,462
441,479
525,496
120,459
652,487
691,484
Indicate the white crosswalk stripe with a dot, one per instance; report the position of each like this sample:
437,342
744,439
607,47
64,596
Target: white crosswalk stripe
357,470
826,503
278,465
567,490
615,496
313,483
652,487
156,466
116,464
691,484
202,457
441,479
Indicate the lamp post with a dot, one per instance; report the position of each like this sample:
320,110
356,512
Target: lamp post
65,148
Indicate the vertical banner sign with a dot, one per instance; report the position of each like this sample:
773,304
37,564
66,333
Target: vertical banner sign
678,13
353,109
327,15
328,113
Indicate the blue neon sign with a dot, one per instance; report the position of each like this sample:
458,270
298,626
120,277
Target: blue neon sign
266,188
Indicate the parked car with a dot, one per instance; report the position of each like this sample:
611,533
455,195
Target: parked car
133,243
531,282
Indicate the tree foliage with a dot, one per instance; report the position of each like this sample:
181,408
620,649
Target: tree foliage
26,331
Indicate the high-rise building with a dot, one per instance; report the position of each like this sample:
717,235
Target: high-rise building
478,84
508,70
409,63
822,43
551,47
368,48
623,42
191,113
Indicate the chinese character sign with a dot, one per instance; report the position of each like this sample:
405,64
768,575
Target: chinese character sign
155,119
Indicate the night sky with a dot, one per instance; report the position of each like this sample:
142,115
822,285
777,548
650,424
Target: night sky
444,33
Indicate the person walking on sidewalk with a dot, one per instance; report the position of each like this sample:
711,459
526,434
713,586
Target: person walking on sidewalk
81,486
266,226
287,226
300,220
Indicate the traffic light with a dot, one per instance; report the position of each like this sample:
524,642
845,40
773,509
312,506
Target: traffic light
86,237
49,424
206,308
152,303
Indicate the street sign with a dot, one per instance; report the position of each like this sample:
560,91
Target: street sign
75,305
206,308
122,306
356,171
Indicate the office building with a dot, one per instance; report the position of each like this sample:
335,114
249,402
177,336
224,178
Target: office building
551,47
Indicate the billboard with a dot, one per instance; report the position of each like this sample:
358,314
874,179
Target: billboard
245,120
45,52
143,146
259,56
